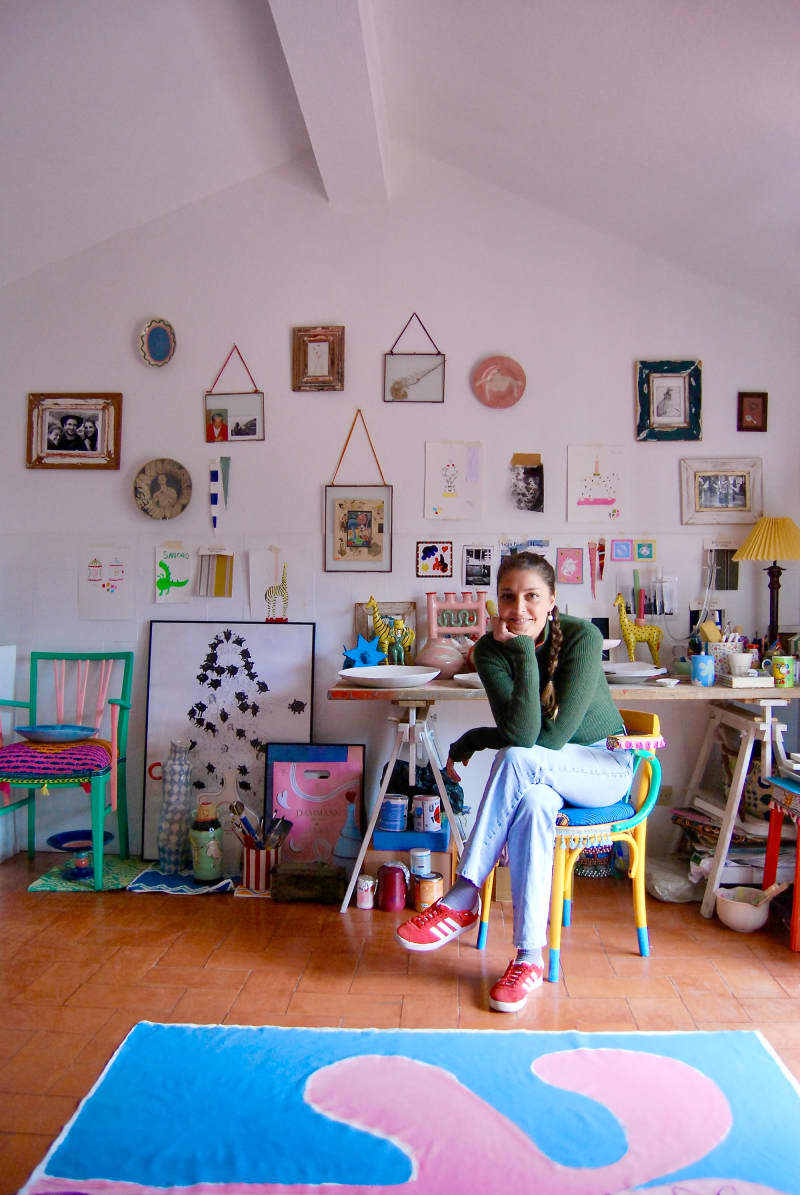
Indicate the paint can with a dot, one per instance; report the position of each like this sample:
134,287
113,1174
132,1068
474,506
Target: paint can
427,813
420,860
365,891
427,889
394,812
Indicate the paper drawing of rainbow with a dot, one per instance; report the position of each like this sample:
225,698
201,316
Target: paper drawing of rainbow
231,1110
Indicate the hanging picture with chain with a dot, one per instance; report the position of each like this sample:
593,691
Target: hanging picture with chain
413,376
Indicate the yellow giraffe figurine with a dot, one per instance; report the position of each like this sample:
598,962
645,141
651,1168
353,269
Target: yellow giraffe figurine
634,632
394,637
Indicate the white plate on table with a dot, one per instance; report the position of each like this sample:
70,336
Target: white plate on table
627,671
470,680
389,676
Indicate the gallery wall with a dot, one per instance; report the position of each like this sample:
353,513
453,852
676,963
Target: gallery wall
487,273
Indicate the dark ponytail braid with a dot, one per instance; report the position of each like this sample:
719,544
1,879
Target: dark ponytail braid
549,703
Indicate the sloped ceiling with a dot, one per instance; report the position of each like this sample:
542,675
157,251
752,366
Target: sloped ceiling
673,124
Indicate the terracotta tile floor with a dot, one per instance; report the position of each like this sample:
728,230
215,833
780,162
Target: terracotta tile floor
77,971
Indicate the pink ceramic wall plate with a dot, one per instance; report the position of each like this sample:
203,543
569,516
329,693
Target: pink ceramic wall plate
498,381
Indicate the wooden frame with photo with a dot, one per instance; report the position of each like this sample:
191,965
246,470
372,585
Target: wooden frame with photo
318,358
316,786
668,400
228,689
74,431
232,418
721,490
751,411
358,529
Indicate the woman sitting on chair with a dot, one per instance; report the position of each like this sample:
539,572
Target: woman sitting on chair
553,712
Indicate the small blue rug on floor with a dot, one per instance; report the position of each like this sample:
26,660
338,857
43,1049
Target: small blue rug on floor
182,883
230,1110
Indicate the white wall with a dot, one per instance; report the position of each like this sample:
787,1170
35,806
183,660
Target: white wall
487,273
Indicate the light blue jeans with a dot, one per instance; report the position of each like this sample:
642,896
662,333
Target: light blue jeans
526,788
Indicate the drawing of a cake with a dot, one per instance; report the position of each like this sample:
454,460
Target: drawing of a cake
598,489
95,569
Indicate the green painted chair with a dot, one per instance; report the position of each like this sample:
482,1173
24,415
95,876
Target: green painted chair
67,691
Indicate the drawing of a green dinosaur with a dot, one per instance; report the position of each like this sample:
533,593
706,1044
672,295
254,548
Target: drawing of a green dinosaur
165,583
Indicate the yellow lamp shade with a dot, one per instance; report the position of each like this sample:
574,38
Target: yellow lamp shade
771,539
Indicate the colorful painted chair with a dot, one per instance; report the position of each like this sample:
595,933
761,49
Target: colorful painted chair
625,821
95,764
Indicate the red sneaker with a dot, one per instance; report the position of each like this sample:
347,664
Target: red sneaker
436,926
510,993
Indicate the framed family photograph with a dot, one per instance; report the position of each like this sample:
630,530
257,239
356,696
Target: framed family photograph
668,400
74,431
234,417
751,411
721,490
358,528
318,358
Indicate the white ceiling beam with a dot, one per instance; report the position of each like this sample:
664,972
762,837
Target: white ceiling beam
332,54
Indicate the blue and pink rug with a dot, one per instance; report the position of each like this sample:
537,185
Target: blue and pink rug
218,1110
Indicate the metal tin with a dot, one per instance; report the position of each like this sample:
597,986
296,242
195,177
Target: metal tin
420,860
427,813
427,889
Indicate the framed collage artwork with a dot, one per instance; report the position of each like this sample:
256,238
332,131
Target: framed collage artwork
358,529
434,558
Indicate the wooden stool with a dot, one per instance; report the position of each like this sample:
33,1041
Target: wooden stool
785,800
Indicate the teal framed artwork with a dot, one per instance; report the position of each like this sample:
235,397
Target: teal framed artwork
668,400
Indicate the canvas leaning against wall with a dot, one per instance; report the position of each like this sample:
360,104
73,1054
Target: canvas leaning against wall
227,689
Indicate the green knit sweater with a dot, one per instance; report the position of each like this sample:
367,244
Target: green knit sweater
514,674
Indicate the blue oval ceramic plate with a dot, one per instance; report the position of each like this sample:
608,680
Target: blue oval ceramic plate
157,342
60,733
75,840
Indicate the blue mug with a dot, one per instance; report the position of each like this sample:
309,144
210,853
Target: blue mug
702,670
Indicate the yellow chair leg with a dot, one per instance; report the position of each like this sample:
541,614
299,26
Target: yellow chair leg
556,909
486,904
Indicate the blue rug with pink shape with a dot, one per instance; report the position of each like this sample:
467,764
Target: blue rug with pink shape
232,1110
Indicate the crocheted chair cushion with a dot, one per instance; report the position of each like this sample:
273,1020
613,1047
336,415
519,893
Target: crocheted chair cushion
578,815
39,763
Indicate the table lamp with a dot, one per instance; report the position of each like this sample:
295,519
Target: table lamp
772,539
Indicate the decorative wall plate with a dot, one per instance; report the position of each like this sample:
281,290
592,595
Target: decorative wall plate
157,342
163,488
498,381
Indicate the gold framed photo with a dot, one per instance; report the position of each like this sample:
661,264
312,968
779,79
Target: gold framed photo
74,431
318,358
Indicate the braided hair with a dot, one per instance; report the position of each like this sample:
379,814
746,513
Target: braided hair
532,561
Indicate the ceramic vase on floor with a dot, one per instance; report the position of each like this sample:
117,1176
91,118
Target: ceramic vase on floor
176,810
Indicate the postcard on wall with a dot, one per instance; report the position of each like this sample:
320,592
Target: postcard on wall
105,585
173,573
453,479
215,572
597,483
434,558
527,481
477,566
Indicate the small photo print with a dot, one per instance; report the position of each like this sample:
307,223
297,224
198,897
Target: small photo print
644,549
622,549
477,567
569,566
434,558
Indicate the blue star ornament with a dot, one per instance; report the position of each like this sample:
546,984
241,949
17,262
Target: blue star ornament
365,654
